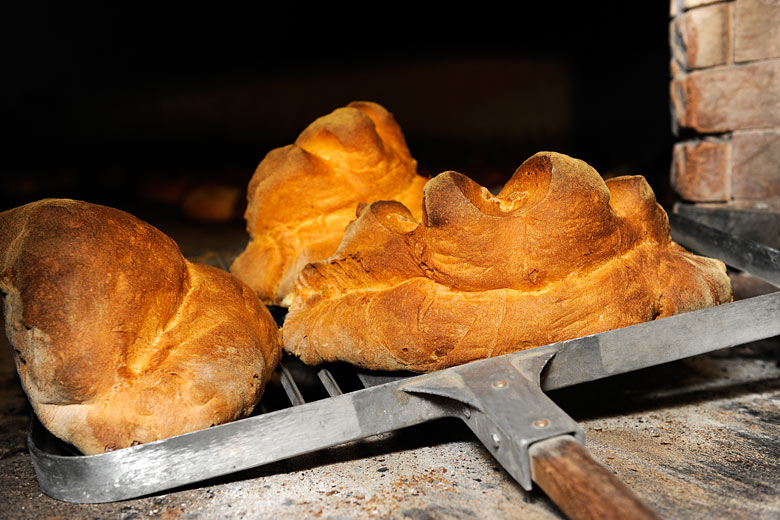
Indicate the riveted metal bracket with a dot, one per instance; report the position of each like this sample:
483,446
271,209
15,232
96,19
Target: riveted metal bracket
504,406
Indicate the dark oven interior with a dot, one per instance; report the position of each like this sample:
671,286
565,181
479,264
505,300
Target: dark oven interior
137,107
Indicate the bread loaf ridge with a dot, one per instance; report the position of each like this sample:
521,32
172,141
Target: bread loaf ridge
302,196
118,339
557,254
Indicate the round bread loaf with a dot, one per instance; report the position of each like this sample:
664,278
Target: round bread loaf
556,255
118,339
302,196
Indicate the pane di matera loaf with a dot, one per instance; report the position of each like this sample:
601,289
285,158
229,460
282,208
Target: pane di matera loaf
556,255
302,196
118,339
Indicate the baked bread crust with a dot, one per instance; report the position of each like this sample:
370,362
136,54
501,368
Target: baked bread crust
302,196
556,255
118,339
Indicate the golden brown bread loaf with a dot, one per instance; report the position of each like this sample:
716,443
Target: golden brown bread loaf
302,196
118,339
557,254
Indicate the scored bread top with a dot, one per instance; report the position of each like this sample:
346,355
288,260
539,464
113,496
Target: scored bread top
118,339
557,254
302,196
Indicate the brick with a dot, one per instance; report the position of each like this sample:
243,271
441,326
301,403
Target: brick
701,37
677,99
734,97
700,170
756,30
676,44
756,164
675,8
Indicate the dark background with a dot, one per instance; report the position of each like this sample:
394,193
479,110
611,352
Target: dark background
131,105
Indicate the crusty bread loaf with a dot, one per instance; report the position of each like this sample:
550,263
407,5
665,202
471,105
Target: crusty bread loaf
557,254
118,339
302,196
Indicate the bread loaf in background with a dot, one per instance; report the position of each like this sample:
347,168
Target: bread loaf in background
556,255
118,339
302,196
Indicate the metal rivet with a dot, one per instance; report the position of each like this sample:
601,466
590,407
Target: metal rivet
499,383
496,440
541,423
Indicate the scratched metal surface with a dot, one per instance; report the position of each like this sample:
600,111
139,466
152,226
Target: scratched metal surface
698,438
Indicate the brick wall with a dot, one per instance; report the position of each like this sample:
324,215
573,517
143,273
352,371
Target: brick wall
725,101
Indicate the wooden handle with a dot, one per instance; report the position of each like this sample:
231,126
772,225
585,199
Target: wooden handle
579,485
